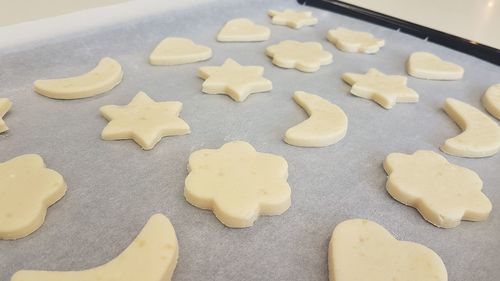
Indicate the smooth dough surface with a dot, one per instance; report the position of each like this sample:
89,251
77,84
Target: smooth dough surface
354,41
176,50
326,125
292,18
480,136
27,189
304,56
243,30
235,80
5,105
362,250
104,77
386,90
428,66
238,183
491,100
152,256
443,193
143,120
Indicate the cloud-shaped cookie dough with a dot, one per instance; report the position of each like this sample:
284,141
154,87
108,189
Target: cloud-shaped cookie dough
27,189
238,183
442,192
292,18
176,50
304,56
243,30
363,250
354,41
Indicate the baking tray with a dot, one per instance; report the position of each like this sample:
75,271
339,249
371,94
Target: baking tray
114,186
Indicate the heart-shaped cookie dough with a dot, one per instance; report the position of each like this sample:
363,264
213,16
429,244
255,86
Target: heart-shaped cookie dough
243,30
428,66
363,250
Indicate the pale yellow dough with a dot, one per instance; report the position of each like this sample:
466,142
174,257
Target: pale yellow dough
5,105
428,66
354,41
362,250
292,18
235,80
27,189
175,50
243,30
304,56
480,136
386,90
491,100
143,120
152,256
104,77
238,183
326,125
442,192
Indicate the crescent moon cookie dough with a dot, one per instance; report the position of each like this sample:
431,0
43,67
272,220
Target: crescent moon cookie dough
386,90
292,18
363,250
326,125
104,77
27,189
238,183
354,41
443,193
176,50
243,30
480,136
428,66
303,56
5,105
143,120
234,80
491,100
152,256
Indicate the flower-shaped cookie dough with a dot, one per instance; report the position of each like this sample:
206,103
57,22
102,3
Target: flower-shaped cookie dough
27,189
291,18
238,183
304,56
442,192
143,120
5,105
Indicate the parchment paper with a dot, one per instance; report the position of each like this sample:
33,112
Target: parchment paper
114,186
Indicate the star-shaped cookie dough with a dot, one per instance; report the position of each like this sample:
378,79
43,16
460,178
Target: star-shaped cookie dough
292,18
234,80
385,90
304,56
143,120
5,105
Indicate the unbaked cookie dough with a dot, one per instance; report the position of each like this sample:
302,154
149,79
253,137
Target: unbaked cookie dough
152,256
5,105
238,183
443,193
304,56
234,80
491,100
480,136
176,50
292,18
354,41
428,66
364,250
386,90
243,30
104,77
143,120
326,125
27,189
